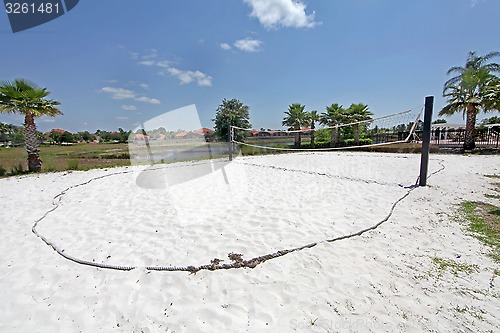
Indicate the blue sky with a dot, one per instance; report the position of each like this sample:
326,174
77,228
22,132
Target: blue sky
117,63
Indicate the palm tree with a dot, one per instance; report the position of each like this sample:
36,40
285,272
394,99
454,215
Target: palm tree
3,133
22,96
295,118
492,94
335,114
355,113
313,117
474,88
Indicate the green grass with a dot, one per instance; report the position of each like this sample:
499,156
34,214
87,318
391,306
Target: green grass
453,266
60,158
484,224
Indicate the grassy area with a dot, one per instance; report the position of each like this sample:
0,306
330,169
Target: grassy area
484,224
453,266
59,158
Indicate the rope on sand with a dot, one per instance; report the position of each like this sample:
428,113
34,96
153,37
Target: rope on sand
238,262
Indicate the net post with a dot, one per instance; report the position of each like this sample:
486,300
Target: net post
426,140
230,139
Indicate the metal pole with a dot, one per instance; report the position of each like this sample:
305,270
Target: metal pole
230,139
426,140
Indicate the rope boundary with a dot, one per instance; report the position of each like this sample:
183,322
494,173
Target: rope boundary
215,265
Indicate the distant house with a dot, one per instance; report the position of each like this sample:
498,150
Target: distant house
140,136
278,133
200,133
204,131
262,133
185,135
275,133
55,130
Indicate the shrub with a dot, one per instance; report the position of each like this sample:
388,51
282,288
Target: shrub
3,171
364,141
17,170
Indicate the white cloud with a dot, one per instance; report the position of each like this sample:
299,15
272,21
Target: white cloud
248,45
148,100
129,107
186,77
225,46
281,13
164,63
120,93
147,62
144,86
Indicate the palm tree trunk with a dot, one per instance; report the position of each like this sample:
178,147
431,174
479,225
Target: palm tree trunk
333,139
470,128
297,140
313,136
31,141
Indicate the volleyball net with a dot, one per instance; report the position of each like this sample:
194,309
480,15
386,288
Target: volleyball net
392,129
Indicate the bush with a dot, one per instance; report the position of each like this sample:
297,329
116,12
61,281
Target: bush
3,171
362,142
17,170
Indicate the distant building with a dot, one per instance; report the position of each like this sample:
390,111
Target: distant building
55,130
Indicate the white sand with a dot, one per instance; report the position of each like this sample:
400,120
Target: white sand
382,281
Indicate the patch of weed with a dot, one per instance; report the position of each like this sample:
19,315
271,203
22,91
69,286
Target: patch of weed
455,267
484,224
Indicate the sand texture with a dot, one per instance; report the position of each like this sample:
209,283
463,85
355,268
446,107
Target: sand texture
193,214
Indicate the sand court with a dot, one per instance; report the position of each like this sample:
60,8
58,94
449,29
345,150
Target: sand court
252,206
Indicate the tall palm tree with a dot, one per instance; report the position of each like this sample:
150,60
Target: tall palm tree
335,114
22,96
471,90
313,117
295,118
355,113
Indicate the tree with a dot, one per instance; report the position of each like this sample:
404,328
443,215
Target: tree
313,117
231,113
335,114
475,88
3,133
356,113
491,120
295,118
440,121
22,96
85,136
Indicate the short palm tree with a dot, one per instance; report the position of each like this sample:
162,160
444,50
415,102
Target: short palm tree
313,117
335,115
355,113
474,88
22,96
295,118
